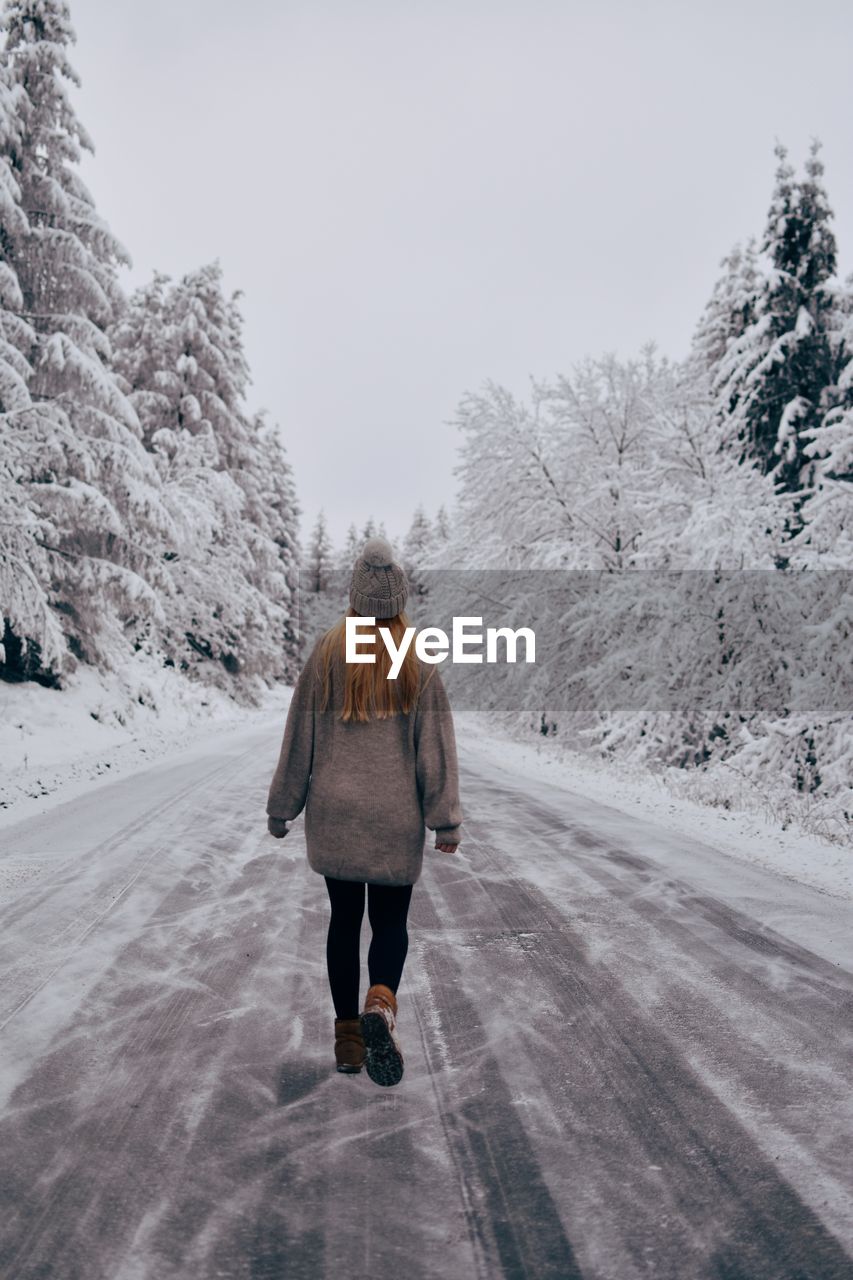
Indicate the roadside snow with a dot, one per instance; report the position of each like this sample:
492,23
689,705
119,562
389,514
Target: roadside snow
746,836
57,744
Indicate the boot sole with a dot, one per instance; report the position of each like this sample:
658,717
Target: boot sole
384,1061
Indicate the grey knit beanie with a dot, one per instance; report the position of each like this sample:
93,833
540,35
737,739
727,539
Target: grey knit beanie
379,588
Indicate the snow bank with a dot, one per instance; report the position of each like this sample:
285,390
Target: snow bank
58,743
637,792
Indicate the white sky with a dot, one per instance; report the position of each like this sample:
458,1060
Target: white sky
415,197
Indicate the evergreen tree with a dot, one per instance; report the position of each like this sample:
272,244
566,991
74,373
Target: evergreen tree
319,560
417,542
442,525
730,310
826,537
775,377
89,489
352,546
416,549
24,571
16,334
234,555
271,511
369,530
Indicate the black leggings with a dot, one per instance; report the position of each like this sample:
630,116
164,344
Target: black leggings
387,909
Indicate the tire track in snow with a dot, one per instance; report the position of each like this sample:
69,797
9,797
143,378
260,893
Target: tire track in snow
175,1130
57,919
352,1172
514,1223
766,1023
94,1123
679,1182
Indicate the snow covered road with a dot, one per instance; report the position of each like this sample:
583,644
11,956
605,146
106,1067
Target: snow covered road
626,1055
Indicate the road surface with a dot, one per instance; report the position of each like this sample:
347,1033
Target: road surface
625,1056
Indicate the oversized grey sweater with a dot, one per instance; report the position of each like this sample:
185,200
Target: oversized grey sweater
369,788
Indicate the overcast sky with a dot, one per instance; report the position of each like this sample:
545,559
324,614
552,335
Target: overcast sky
415,197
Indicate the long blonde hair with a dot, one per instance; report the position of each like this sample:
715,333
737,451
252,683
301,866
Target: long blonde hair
368,693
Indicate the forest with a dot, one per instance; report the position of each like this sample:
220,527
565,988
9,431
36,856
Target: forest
677,532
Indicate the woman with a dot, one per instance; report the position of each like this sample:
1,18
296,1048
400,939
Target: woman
373,762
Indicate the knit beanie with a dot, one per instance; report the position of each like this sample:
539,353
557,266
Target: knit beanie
379,588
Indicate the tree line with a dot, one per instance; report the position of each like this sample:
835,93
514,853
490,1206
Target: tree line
142,505
727,476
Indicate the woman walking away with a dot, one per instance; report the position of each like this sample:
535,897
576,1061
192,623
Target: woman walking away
372,760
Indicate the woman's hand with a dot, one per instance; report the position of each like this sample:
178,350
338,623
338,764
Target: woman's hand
447,848
277,827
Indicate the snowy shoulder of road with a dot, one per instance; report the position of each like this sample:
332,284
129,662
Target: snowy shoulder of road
57,744
638,793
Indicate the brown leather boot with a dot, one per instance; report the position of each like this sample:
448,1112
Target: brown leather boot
349,1044
384,1060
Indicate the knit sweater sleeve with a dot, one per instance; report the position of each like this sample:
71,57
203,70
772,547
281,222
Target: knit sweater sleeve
289,787
435,761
